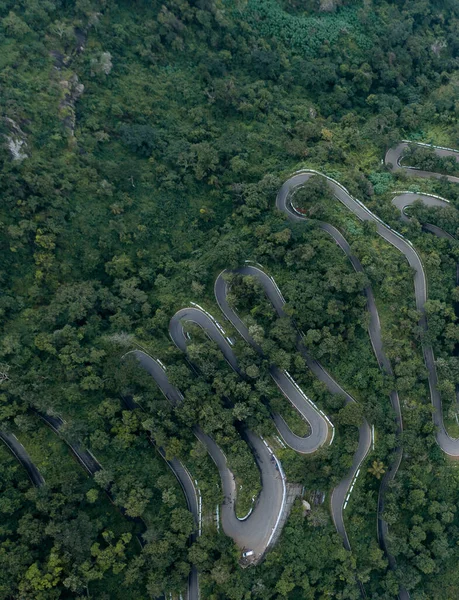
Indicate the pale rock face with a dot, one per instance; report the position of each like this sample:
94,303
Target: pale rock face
15,146
16,141
106,62
437,46
72,90
328,5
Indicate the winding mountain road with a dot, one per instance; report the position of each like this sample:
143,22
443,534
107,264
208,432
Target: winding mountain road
317,420
15,446
394,157
448,444
182,474
283,203
311,413
84,456
402,201
319,424
268,510
257,531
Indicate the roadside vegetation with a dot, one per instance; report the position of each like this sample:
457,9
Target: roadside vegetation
143,145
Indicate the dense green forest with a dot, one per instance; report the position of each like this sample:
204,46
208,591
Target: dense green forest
143,145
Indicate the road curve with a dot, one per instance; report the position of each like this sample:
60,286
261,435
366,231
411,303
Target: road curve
182,474
257,531
318,423
394,156
273,293
405,199
448,444
259,528
283,203
15,446
84,456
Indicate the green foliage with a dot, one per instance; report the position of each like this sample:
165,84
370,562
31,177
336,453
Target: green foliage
314,192
309,34
382,182
142,139
425,158
130,196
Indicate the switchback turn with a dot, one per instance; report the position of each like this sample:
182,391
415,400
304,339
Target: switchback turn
274,295
448,444
283,203
257,531
15,446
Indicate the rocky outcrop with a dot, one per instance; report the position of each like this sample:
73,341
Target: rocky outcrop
16,140
71,91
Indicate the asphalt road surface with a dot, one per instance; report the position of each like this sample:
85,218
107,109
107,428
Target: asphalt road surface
319,424
311,413
15,446
271,495
283,203
257,530
85,457
402,201
449,445
180,471
394,156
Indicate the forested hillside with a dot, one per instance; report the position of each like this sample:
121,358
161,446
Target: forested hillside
143,145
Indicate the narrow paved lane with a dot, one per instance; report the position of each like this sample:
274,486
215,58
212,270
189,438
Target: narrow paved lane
274,294
15,446
447,443
319,423
283,203
402,201
174,396
182,474
394,157
84,456
258,530
270,497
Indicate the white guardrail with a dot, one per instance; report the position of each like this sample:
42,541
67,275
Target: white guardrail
354,479
421,194
213,319
431,146
367,210
284,493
